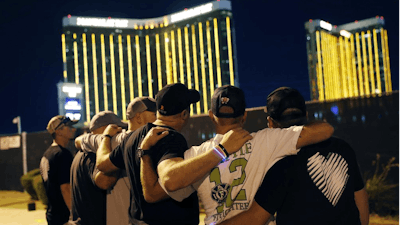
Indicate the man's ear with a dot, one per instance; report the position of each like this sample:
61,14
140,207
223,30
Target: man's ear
270,122
244,118
185,114
138,118
211,115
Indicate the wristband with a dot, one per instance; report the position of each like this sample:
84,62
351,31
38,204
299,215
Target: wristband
225,151
107,135
218,151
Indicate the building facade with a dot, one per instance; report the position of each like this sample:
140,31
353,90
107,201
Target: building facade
117,60
348,60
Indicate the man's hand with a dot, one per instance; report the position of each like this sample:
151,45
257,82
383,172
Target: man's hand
153,136
234,139
112,130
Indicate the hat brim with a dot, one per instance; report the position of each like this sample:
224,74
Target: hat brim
194,96
72,122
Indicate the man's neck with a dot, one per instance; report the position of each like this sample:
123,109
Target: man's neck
61,142
224,129
168,123
132,126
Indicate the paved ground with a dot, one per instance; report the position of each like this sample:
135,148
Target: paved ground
14,211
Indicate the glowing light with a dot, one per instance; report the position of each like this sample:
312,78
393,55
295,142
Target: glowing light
325,25
72,91
345,33
189,13
101,22
69,16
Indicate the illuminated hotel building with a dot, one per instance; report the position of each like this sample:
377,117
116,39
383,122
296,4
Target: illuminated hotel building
348,60
117,60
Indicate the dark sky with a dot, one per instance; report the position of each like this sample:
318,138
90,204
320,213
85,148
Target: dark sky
270,43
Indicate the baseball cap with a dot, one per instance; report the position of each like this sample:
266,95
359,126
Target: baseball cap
230,96
140,104
57,122
285,103
105,118
174,98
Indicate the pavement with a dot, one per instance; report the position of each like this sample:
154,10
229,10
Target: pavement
14,210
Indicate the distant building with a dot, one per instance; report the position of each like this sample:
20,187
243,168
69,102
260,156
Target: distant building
348,60
119,59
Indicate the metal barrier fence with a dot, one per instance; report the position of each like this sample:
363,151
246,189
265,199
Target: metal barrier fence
369,125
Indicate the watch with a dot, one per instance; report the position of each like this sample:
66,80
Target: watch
141,152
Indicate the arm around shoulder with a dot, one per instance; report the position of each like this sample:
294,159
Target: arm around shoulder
314,132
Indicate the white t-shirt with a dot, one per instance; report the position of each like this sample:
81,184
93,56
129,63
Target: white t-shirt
231,186
118,196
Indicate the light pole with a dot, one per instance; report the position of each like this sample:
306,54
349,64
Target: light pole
17,120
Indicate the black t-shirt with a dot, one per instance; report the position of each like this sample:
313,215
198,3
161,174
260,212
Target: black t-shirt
88,201
314,187
167,211
55,170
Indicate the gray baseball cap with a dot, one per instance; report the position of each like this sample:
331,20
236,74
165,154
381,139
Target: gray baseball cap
105,118
140,104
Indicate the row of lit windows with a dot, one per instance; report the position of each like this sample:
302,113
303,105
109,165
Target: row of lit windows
354,66
183,55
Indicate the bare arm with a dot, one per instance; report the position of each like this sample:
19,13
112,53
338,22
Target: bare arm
105,181
152,191
256,215
361,198
313,133
176,173
66,193
103,161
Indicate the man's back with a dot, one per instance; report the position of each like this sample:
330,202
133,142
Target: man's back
55,170
166,211
88,201
315,187
231,186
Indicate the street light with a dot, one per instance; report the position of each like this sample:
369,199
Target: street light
17,120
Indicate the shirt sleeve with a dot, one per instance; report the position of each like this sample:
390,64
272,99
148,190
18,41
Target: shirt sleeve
273,189
64,166
117,157
172,146
357,178
91,142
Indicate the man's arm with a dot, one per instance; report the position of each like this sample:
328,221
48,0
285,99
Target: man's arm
152,191
256,215
66,193
361,198
313,133
176,173
103,161
105,181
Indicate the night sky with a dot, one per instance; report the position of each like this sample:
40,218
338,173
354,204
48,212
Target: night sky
270,44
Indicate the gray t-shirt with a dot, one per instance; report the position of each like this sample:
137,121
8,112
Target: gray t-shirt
118,195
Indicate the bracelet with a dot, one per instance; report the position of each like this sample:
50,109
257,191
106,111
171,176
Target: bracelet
107,135
219,152
224,149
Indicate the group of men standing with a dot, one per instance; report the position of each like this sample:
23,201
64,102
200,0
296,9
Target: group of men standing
147,174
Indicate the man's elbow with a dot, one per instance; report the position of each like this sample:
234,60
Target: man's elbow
170,185
329,131
149,198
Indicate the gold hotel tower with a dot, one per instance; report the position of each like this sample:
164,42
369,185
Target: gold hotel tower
117,60
349,60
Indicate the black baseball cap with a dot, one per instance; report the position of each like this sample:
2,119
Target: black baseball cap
174,98
230,96
285,103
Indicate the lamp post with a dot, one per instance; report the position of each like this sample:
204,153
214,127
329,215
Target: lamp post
17,120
